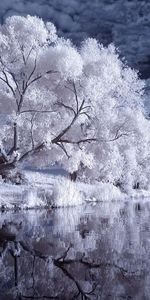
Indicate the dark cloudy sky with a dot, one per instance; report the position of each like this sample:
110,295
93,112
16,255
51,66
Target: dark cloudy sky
124,22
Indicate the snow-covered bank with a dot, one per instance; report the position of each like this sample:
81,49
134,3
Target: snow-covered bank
44,190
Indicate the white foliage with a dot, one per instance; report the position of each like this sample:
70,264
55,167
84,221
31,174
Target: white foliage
66,60
101,192
66,193
30,29
33,200
83,107
77,158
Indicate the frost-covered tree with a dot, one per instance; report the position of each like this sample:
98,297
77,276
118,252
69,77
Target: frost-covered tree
80,107
22,44
115,96
39,101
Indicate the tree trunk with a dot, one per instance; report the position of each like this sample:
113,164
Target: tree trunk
15,140
5,169
15,137
10,174
73,176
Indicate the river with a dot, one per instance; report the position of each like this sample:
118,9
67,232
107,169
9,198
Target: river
99,251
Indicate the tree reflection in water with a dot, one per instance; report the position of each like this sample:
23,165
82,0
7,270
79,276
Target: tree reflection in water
92,252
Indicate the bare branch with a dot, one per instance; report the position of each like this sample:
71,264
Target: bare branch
9,86
63,262
23,55
32,125
61,265
7,82
86,114
88,140
3,155
15,81
41,76
39,297
64,131
62,257
66,106
32,72
36,111
29,53
32,151
85,107
76,115
63,148
118,137
82,106
67,87
76,96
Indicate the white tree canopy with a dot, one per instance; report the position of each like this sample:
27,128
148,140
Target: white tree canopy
81,107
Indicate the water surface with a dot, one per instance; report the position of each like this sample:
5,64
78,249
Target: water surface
87,252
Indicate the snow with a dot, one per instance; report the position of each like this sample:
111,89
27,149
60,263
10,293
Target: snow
101,192
45,190
66,192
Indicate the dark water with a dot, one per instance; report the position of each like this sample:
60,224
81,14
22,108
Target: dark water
89,252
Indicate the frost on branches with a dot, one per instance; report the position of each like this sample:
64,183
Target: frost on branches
80,107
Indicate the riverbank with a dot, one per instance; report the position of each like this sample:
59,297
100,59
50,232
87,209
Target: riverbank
45,190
